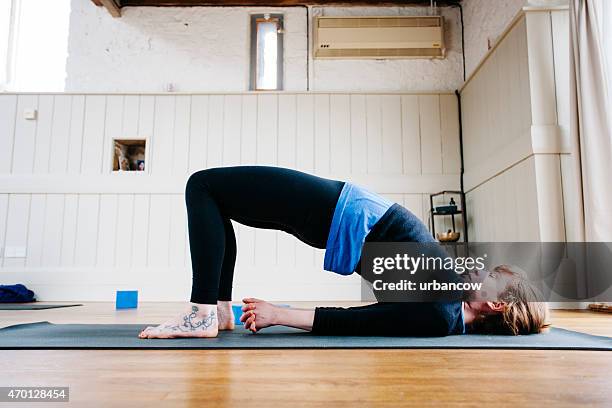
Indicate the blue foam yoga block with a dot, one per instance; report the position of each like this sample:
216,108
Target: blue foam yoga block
238,312
126,299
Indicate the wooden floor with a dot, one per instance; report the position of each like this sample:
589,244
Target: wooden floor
287,378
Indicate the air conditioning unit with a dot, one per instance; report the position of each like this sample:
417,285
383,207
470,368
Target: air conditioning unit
379,37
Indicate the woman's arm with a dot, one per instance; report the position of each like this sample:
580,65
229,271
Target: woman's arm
378,319
390,319
372,319
258,314
298,318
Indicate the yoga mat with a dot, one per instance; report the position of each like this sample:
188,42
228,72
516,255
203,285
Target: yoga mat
31,306
45,335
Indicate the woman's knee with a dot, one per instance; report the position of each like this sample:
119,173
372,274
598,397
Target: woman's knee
196,182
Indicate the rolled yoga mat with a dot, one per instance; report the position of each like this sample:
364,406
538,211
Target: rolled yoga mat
31,306
45,335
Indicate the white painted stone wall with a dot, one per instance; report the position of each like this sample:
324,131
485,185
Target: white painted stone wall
486,20
205,49
197,49
391,75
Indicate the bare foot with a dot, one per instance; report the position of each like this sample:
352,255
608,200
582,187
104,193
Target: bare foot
225,315
199,321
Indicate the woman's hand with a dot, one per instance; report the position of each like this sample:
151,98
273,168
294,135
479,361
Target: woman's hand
258,314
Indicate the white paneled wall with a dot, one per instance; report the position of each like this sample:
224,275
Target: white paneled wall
514,138
88,231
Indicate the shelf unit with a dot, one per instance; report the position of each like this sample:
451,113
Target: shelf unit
460,211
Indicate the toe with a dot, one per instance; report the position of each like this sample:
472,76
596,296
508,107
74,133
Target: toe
152,332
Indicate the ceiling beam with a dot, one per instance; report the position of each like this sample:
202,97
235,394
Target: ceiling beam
267,3
111,5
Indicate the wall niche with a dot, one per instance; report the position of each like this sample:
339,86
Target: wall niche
129,154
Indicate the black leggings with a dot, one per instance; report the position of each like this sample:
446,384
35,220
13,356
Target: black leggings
262,197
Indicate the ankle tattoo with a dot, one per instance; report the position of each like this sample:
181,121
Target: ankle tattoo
191,322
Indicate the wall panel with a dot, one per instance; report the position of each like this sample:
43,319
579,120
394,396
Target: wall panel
53,230
36,223
8,113
24,136
87,227
44,126
93,134
513,138
60,134
198,132
69,225
84,225
431,142
125,228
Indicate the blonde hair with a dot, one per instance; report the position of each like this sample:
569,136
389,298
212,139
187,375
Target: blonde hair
521,315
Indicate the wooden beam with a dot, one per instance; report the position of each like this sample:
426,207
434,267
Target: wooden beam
114,6
111,5
270,3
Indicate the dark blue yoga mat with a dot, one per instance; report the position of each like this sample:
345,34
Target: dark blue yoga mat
45,335
32,306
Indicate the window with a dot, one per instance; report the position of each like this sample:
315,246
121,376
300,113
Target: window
8,11
33,34
266,52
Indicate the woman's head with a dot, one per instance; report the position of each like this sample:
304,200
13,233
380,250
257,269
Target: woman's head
514,309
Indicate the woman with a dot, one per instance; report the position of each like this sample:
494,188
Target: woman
338,217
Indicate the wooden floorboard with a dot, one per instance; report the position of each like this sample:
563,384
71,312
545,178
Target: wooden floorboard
283,378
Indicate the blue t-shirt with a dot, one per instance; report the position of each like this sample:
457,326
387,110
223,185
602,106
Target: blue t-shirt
356,212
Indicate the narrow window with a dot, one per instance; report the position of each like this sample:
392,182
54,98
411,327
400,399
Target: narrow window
266,52
8,13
